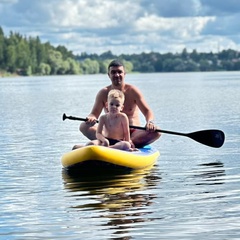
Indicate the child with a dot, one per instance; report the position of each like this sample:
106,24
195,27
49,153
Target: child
113,127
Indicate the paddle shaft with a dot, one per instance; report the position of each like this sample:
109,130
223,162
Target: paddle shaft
130,126
212,138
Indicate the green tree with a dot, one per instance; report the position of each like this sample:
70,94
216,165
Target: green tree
74,67
178,65
194,55
191,66
204,65
27,71
2,46
55,61
236,66
23,60
64,68
128,66
168,65
228,65
42,51
65,53
32,42
184,54
44,69
103,65
107,55
90,66
158,65
10,59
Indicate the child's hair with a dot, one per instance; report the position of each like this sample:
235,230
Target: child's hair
117,94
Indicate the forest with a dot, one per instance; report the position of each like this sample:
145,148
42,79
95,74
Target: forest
26,56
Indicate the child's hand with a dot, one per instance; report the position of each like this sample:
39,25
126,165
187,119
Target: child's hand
132,144
132,147
105,143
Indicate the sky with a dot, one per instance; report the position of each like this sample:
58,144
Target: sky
126,26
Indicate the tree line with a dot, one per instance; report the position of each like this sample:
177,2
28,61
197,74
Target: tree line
226,60
29,56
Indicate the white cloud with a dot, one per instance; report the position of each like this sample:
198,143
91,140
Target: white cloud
80,13
177,27
95,26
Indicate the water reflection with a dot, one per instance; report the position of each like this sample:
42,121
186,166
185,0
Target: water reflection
123,200
210,173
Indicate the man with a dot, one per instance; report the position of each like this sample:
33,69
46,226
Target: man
134,101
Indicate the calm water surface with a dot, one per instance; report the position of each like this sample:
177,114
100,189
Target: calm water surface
192,192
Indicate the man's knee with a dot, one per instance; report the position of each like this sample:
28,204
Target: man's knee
88,130
158,135
83,127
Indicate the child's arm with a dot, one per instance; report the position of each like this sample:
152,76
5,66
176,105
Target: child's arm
125,125
126,131
99,131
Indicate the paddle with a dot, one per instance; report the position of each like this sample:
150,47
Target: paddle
212,138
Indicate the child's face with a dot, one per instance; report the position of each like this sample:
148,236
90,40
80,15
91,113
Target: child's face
115,105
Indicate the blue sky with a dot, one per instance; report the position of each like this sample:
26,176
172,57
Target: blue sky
126,26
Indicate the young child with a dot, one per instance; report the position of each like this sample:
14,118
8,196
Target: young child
113,127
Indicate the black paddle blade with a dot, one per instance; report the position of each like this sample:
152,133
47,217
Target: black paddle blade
212,138
64,117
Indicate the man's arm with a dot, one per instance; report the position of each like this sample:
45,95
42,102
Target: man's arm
146,111
98,106
143,106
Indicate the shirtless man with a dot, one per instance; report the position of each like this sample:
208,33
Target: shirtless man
134,101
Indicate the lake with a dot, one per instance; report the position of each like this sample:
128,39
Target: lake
191,193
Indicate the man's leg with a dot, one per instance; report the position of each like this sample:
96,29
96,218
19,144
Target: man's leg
88,130
142,138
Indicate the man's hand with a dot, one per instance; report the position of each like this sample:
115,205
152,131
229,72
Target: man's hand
150,126
91,121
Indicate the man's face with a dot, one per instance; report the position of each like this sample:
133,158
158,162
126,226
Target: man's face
116,74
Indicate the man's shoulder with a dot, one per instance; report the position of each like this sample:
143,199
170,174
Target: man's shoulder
132,88
104,91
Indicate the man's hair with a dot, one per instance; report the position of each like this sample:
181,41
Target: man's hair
117,94
115,63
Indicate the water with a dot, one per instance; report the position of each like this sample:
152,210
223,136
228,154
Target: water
191,193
